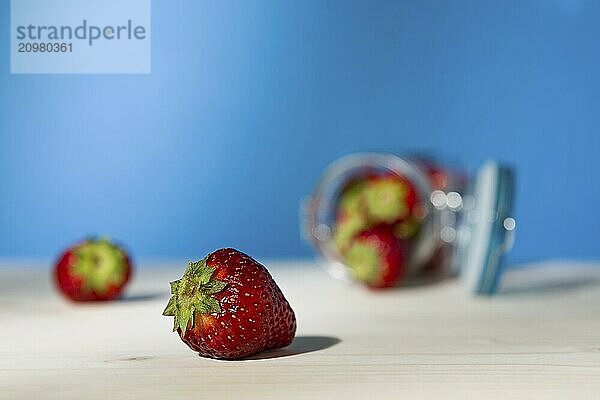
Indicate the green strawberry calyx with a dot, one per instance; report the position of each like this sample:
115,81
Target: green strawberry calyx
194,292
386,200
99,264
365,262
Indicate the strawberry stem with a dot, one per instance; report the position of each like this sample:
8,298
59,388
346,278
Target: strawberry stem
194,292
99,264
365,262
386,200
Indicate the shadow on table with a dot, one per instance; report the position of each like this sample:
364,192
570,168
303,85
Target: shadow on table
548,287
142,297
300,345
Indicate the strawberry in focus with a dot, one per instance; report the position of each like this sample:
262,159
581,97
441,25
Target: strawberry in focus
228,306
376,257
94,270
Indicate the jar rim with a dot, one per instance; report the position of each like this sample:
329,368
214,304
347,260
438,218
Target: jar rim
339,173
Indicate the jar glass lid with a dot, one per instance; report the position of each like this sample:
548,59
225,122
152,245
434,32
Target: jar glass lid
486,232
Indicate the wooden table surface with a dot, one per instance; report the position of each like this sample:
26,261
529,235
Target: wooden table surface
540,338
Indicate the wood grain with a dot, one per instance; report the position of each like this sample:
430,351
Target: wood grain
539,339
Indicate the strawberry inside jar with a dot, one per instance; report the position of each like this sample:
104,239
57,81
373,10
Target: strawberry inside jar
372,220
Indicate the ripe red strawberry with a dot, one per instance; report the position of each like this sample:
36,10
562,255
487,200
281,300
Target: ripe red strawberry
389,198
376,257
93,270
228,306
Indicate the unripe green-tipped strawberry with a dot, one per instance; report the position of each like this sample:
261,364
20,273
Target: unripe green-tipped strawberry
93,270
376,257
228,306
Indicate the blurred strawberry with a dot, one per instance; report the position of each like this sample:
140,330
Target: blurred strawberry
376,257
350,213
346,228
438,178
351,198
93,270
389,198
408,228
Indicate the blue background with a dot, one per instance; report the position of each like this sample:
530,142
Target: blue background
247,102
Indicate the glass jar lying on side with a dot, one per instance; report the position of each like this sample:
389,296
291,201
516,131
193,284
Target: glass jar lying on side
385,220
